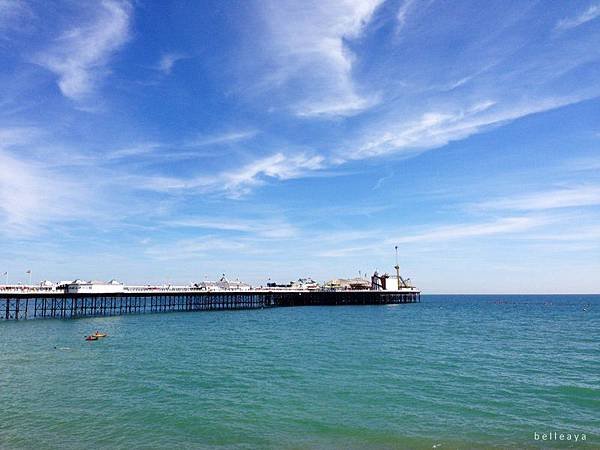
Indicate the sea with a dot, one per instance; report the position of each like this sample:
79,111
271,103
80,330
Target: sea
451,372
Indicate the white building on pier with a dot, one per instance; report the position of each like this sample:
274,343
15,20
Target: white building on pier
94,287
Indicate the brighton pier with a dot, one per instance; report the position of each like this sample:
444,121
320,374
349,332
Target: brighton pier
30,305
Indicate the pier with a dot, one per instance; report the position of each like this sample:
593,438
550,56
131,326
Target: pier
60,305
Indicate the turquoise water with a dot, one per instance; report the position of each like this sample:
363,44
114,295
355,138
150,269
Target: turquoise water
454,372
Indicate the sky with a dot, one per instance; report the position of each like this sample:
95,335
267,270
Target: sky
157,142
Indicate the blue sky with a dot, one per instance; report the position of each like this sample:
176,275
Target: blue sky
149,141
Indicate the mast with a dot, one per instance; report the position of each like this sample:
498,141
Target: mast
397,267
401,282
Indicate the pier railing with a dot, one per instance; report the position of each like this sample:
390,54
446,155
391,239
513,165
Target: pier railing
17,306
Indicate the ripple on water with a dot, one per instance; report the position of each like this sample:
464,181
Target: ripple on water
454,371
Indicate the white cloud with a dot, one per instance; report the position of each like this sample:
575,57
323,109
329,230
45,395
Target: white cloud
263,228
559,198
308,48
584,164
355,243
438,128
168,60
277,166
79,57
194,247
403,11
225,138
17,136
445,233
589,234
132,151
13,15
148,151
235,182
35,191
589,14
431,130
31,196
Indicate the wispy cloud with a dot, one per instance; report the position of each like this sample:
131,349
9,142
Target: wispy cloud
10,137
259,227
403,11
357,242
194,247
14,15
380,182
431,130
236,182
586,195
584,164
585,233
150,151
311,55
79,57
31,196
224,138
167,61
37,189
132,151
507,225
438,128
278,166
589,14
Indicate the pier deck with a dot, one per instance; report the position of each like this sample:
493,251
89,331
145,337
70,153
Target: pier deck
32,305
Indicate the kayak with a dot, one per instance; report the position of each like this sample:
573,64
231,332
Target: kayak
91,338
99,335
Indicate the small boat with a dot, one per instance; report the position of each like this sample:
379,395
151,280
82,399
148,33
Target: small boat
91,338
99,335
